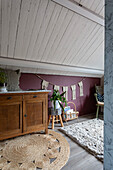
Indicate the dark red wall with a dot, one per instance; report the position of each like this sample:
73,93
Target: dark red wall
85,104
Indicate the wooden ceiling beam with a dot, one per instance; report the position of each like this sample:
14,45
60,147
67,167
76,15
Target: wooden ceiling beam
69,70
81,10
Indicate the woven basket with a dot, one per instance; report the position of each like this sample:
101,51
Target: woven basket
70,116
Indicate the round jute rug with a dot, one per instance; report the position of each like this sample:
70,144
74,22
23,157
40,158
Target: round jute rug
34,151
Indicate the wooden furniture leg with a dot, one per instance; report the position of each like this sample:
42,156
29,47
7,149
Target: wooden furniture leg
53,119
46,130
49,120
97,111
57,118
61,120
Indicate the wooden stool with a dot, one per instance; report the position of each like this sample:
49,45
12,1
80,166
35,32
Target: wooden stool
53,120
55,114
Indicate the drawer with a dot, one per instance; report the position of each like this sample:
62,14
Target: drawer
10,98
34,96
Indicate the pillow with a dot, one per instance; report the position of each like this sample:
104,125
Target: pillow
100,97
13,80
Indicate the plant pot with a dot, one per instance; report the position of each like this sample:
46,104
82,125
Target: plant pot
55,112
3,88
57,104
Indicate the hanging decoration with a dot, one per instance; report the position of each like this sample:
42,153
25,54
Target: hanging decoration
65,89
45,85
56,87
73,88
81,88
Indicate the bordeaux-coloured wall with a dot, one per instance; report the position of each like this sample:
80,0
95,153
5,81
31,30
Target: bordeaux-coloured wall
85,104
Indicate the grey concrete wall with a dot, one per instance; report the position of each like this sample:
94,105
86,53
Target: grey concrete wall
108,87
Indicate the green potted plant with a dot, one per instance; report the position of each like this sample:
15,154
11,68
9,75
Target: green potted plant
58,99
3,80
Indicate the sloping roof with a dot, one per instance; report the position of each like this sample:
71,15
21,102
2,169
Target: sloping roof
97,6
46,36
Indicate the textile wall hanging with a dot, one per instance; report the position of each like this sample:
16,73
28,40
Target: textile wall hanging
81,88
65,89
56,87
44,84
73,87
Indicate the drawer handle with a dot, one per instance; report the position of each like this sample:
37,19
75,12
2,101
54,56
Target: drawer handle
34,96
25,115
9,98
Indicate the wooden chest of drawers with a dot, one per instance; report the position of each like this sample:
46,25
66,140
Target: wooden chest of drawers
22,113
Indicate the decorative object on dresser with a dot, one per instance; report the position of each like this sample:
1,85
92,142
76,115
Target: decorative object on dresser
36,151
70,114
3,81
88,134
13,77
23,112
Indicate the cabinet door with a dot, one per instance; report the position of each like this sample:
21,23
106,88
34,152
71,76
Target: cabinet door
10,119
34,115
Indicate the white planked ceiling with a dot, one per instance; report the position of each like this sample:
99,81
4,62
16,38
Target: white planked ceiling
47,37
96,6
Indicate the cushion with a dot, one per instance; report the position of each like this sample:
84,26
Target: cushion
99,89
100,97
101,103
13,79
